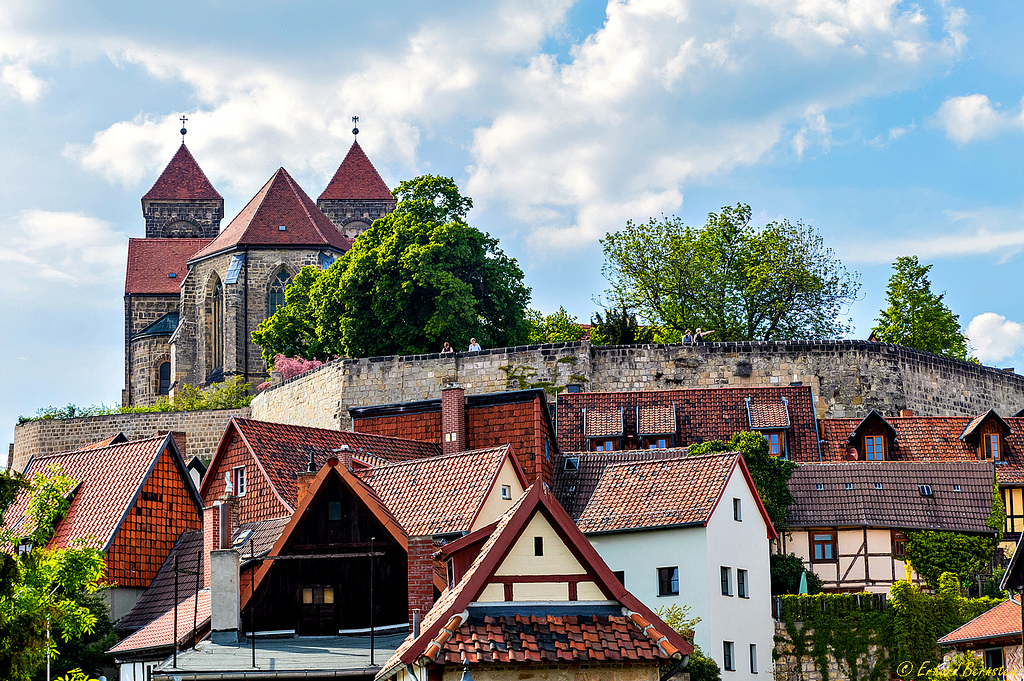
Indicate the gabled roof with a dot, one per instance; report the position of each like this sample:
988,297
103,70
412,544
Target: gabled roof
605,422
281,202
703,414
332,470
873,417
667,493
158,598
450,632
164,326
888,494
356,178
152,261
442,494
656,419
1002,621
160,632
577,473
282,450
971,430
182,180
766,415
105,442
109,481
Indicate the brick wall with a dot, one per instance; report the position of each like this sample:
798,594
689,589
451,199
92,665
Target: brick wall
421,575
453,420
203,430
848,378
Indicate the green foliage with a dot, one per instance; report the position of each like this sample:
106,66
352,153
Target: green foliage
786,571
776,282
618,327
518,376
933,553
418,277
44,585
921,619
916,317
85,657
51,496
558,327
228,394
770,474
700,667
843,626
75,675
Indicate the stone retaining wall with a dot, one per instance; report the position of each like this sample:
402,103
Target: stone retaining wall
788,667
849,378
203,431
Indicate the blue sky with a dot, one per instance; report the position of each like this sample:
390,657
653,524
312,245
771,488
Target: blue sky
892,127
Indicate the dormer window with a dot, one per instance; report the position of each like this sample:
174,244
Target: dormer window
603,445
990,449
603,429
985,433
874,448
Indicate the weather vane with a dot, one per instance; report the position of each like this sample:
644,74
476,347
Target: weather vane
355,125
183,130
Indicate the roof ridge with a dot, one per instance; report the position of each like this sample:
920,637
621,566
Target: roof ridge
42,457
408,462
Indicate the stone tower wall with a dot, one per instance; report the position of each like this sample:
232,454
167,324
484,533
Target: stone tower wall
183,219
139,312
353,217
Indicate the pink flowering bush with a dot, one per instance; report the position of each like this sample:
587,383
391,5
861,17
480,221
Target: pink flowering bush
291,367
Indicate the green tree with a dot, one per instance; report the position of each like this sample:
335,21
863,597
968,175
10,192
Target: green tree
916,317
700,667
745,283
786,571
558,327
418,277
41,586
770,474
618,326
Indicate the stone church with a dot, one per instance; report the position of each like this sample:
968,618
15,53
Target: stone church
194,293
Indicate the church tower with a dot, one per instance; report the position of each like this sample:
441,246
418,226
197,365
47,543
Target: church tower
182,203
356,195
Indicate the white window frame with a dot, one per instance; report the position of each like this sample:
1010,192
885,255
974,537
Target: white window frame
238,479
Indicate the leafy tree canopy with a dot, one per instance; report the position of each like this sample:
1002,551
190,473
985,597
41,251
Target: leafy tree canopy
786,571
42,583
618,326
558,327
916,317
770,474
418,277
776,282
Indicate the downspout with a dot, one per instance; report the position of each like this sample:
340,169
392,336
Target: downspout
245,313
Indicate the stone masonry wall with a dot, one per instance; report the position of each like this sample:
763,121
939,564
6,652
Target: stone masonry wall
848,378
139,312
203,430
352,217
193,219
788,667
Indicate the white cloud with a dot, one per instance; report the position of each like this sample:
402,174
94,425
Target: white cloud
66,248
973,117
995,338
20,79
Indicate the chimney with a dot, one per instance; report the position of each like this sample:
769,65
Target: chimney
220,523
302,482
906,412
224,597
421,575
180,440
453,419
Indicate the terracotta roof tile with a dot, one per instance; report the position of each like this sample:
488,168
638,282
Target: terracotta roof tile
604,422
702,414
151,261
159,597
437,495
1000,622
181,180
160,632
887,494
105,442
108,480
283,450
281,201
679,491
656,419
356,178
768,415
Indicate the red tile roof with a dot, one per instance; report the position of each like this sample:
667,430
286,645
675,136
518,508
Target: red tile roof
158,598
442,494
768,415
1000,622
656,419
282,450
449,629
356,178
703,414
108,478
281,201
604,422
887,494
105,442
182,180
670,492
150,261
160,632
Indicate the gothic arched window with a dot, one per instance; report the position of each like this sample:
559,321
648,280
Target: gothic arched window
164,387
275,298
217,328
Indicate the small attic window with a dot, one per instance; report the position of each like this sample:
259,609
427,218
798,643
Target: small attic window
506,492
572,463
242,537
172,275
926,490
878,485
849,485
282,228
820,487
956,488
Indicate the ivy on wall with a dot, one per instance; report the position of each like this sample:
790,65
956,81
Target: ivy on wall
520,375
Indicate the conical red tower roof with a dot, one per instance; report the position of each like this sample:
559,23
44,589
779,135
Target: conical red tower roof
280,203
181,180
356,178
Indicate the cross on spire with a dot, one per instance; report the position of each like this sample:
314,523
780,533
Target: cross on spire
355,125
183,130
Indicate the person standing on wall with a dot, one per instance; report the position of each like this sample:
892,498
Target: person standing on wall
474,346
